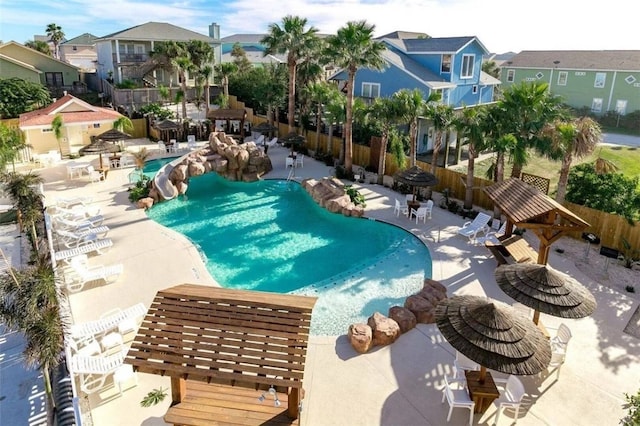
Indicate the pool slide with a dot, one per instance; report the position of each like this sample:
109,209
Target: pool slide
161,180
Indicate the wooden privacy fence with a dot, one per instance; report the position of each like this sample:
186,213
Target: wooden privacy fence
610,228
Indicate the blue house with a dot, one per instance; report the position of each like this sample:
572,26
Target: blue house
451,66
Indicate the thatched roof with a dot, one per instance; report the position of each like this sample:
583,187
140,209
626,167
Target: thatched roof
113,135
415,176
227,114
166,125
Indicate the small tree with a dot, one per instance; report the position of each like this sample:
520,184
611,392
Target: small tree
57,124
632,404
18,96
11,142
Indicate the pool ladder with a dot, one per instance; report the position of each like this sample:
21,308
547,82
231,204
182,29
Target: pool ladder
292,174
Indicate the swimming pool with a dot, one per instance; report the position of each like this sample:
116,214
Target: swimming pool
271,236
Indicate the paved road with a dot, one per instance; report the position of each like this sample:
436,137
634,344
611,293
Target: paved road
615,139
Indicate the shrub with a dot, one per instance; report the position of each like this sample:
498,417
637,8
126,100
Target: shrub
356,197
140,190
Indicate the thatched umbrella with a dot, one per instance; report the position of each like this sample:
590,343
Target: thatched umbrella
264,127
493,334
415,177
545,290
99,147
113,135
294,139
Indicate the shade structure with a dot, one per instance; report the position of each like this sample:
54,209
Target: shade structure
113,135
545,290
415,177
264,127
99,147
493,334
166,125
293,139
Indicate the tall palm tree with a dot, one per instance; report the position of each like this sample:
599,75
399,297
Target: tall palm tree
413,106
205,73
568,139
22,189
56,35
184,66
443,118
335,113
318,92
470,127
353,47
123,124
224,71
386,112
526,109
294,39
39,45
202,57
56,125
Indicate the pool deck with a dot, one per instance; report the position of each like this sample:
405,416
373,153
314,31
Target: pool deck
398,384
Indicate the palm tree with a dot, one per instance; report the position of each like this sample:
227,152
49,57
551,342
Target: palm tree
240,59
224,71
11,142
27,199
526,109
335,113
185,66
202,56
165,93
353,47
294,39
205,73
413,106
443,118
56,125
568,139
318,92
470,126
386,112
38,45
123,124
56,35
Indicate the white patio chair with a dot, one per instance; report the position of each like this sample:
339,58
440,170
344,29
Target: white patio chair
81,273
71,239
471,229
175,146
191,142
457,395
94,175
420,213
511,396
272,142
95,370
300,160
123,374
409,197
400,208
429,207
289,162
162,147
127,160
99,246
462,364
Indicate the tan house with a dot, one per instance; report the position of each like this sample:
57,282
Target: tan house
22,62
81,52
80,121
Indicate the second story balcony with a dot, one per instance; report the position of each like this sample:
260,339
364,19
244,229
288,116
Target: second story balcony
130,58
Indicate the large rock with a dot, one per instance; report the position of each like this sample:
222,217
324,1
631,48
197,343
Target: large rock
145,203
330,194
360,337
196,169
404,317
422,308
385,330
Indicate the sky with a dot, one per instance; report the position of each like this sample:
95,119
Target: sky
500,25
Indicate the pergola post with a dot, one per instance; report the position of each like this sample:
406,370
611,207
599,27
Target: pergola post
178,390
294,403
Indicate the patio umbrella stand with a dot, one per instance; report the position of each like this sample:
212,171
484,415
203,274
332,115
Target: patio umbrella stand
493,334
545,290
415,177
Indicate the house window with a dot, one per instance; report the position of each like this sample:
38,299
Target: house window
446,63
511,76
96,125
74,48
621,106
562,78
474,89
467,66
370,90
54,79
596,105
49,130
601,77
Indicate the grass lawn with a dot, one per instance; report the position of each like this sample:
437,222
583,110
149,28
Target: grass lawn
626,158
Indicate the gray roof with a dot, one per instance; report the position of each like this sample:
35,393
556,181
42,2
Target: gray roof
243,38
488,79
628,60
433,45
257,57
85,39
157,31
407,64
404,34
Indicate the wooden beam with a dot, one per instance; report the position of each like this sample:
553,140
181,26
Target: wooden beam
178,390
293,407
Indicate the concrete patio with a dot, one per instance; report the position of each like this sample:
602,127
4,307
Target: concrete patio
395,385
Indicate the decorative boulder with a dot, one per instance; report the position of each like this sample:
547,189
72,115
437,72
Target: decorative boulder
196,169
435,285
330,194
404,317
422,308
145,203
385,330
360,337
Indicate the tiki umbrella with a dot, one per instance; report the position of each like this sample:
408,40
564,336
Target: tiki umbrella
99,147
264,127
415,177
545,290
112,135
294,139
493,334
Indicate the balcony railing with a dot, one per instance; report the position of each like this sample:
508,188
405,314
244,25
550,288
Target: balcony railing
131,57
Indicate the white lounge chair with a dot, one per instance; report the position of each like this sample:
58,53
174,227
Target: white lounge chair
120,319
511,396
471,229
457,395
99,246
289,162
94,370
68,203
72,239
272,142
77,211
79,226
81,273
492,235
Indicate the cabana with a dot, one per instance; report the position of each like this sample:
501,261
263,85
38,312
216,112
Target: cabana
233,356
229,115
526,207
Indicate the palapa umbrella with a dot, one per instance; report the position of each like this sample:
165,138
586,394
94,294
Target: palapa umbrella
264,127
99,147
545,290
415,177
113,135
493,334
294,139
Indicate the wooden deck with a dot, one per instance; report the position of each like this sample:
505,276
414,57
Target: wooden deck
213,405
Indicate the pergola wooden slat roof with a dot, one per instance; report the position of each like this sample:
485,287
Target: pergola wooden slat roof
225,336
227,114
527,207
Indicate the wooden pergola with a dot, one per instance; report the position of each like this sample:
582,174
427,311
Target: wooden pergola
223,350
526,207
229,115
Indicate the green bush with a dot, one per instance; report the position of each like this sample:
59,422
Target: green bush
140,190
356,197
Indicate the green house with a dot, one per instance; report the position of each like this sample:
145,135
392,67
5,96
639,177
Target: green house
601,80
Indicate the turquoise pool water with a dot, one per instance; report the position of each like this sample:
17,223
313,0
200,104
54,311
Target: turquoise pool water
271,236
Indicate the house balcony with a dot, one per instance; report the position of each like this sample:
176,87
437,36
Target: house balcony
130,58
